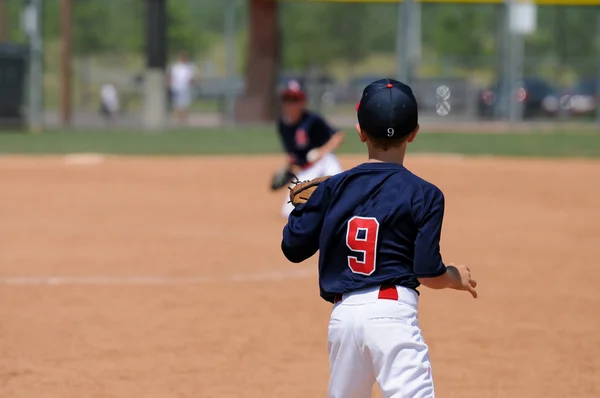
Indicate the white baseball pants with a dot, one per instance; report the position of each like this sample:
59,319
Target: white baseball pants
378,340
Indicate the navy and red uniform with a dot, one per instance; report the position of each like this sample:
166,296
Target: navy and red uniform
297,139
376,224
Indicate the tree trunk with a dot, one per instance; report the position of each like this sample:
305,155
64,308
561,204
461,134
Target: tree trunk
259,102
3,21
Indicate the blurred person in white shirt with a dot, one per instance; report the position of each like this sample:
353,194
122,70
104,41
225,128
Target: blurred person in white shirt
182,77
109,101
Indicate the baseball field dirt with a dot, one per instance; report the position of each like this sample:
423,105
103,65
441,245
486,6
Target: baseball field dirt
162,277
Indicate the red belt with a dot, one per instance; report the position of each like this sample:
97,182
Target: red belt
306,166
386,292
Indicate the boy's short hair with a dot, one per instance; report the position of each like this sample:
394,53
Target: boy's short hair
385,143
388,113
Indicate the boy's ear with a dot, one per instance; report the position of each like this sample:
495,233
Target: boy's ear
361,135
413,135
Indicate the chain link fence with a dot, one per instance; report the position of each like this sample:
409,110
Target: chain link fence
457,55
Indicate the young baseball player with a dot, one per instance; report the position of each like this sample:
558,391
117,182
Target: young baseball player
378,228
307,139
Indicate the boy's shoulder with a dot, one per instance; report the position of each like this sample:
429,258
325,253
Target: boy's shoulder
426,186
401,174
337,179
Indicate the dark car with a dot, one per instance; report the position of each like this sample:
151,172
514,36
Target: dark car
538,97
582,99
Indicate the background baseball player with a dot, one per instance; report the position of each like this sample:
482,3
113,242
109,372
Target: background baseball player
378,228
308,141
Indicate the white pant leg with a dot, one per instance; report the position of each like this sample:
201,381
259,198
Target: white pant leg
351,374
327,166
330,165
400,356
182,99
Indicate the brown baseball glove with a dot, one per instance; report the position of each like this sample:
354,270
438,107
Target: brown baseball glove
301,191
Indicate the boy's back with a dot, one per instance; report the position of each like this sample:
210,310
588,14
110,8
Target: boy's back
377,227
381,225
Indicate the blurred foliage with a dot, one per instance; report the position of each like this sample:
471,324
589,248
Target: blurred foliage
92,17
319,34
324,34
461,31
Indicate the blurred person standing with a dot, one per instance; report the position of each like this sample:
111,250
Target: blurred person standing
109,101
182,77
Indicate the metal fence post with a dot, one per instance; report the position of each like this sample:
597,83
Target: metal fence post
504,84
3,20
517,57
66,71
32,24
511,76
404,35
399,44
230,40
516,64
155,96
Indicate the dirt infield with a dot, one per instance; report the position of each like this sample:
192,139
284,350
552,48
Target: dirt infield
126,279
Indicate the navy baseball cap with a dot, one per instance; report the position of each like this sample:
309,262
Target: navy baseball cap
388,109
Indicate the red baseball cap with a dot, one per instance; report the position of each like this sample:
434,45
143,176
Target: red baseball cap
293,91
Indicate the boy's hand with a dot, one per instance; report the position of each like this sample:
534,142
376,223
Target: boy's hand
314,155
461,276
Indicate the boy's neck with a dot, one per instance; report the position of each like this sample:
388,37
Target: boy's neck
293,119
392,155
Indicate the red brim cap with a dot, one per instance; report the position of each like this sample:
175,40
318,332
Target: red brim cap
293,94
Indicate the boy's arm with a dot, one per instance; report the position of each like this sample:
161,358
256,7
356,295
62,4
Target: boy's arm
336,139
456,277
290,160
284,175
428,265
302,232
428,260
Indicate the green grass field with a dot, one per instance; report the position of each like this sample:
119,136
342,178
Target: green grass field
264,141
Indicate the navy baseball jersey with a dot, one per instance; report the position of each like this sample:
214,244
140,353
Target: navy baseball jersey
310,132
375,224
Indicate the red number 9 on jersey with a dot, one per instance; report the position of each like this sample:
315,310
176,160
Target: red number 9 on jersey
361,237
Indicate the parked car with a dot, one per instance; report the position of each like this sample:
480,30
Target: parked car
582,99
539,98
